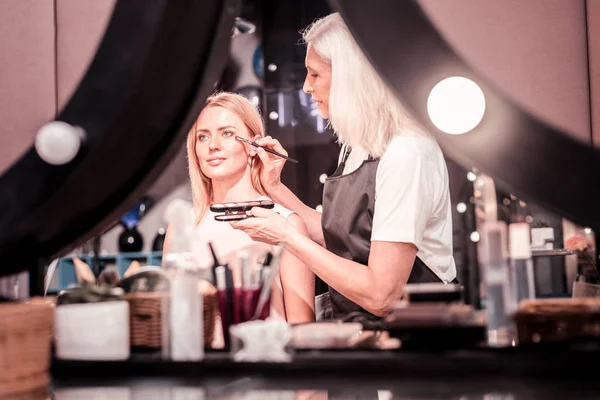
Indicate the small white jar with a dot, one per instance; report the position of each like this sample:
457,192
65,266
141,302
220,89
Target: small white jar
92,331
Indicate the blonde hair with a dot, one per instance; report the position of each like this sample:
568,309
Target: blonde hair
202,191
363,110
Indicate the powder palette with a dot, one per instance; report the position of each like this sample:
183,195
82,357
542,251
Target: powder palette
238,211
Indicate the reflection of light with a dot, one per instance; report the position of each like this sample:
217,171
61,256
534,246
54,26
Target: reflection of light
320,124
529,219
522,203
273,115
461,207
281,109
471,176
456,105
302,96
513,197
314,112
272,67
319,208
474,237
255,100
477,193
322,178
506,202
588,231
129,240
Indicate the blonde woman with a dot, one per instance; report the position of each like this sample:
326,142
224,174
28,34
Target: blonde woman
386,217
222,170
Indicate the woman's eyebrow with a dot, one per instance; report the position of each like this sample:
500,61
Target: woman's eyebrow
221,128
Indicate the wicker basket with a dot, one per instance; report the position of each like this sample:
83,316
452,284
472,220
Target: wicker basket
145,314
25,342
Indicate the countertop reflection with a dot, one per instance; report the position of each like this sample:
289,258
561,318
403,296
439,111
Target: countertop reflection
541,372
248,388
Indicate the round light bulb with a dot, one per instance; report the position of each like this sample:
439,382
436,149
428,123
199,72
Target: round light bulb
58,143
322,178
319,208
471,176
273,115
461,207
456,105
474,237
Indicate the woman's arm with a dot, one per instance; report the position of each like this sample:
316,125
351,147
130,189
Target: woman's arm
374,287
298,282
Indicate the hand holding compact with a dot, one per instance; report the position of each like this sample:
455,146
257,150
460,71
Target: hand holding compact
267,226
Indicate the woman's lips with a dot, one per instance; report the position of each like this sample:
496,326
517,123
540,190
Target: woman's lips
213,162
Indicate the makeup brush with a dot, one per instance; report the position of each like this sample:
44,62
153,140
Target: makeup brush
241,139
215,262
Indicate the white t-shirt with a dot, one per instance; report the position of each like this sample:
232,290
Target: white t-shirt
412,200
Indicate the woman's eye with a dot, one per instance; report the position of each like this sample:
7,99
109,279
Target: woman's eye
314,75
202,138
227,133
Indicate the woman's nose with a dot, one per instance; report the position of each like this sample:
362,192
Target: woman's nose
307,88
214,143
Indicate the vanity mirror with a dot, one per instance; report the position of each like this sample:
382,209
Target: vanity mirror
152,72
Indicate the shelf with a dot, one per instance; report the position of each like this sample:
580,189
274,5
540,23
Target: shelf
65,271
552,252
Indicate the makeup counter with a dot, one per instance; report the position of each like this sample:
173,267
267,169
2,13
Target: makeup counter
161,333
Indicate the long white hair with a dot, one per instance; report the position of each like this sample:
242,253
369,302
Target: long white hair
363,110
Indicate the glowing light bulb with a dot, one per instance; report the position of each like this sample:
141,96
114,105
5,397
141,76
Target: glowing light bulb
58,143
456,105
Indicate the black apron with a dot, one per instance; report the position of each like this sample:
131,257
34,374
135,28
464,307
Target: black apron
347,220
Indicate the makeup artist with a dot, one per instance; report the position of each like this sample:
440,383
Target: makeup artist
386,214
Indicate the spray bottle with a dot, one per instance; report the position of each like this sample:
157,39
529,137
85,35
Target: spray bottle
183,326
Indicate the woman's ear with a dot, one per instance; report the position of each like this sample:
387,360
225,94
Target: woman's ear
256,137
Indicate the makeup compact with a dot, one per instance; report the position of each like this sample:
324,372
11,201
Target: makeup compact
237,211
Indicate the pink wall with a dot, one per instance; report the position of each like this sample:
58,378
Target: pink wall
593,18
534,51
27,65
80,27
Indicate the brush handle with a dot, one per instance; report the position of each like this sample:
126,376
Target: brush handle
241,139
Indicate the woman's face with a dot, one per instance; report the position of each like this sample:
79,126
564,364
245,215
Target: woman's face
318,80
220,155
